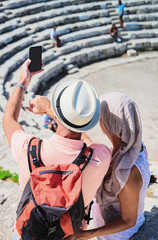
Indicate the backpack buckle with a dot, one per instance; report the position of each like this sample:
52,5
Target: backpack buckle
36,162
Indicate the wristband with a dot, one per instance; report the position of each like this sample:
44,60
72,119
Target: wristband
22,86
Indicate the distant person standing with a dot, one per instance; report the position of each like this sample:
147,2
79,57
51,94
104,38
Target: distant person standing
121,13
55,37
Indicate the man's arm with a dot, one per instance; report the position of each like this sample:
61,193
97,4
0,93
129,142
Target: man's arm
11,113
12,110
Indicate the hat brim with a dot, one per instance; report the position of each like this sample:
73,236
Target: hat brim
55,93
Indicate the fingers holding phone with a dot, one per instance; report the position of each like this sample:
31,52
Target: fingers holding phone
25,75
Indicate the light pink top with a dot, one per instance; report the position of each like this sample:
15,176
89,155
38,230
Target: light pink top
57,150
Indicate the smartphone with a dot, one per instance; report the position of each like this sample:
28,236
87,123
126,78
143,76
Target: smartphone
35,54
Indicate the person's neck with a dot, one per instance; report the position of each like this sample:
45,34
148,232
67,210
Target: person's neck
66,133
116,142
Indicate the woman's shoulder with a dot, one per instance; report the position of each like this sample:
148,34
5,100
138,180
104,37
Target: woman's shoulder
142,159
143,165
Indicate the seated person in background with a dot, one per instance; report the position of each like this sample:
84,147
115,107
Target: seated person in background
49,122
114,33
55,37
119,205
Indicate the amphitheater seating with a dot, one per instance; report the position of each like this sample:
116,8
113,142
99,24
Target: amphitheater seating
83,25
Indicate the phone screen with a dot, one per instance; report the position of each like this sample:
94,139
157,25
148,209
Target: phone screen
35,54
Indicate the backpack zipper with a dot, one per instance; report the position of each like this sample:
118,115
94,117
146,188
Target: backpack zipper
56,172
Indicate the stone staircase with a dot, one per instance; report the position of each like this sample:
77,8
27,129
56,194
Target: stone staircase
83,26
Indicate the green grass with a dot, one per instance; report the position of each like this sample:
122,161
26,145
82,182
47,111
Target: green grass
6,174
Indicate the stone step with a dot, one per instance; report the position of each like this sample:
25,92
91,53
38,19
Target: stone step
93,41
8,26
13,24
92,34
12,36
109,4
89,55
86,33
142,33
59,8
12,63
38,21
3,17
73,46
51,70
53,53
73,37
141,9
45,35
115,18
35,8
40,24
84,43
141,17
113,14
140,25
77,57
18,46
16,60
15,47
80,57
48,24
111,8
19,3
13,4
133,3
147,33
70,28
144,44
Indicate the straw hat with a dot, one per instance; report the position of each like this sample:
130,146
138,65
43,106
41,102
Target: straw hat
76,105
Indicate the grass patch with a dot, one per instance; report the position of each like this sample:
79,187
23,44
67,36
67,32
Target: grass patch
6,174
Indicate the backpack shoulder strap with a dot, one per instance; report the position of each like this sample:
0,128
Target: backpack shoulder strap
87,155
33,154
87,217
84,157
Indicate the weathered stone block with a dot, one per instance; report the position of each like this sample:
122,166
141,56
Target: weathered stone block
131,52
154,43
3,17
141,44
73,70
8,26
132,26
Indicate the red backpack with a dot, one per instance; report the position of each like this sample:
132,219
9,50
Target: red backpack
51,205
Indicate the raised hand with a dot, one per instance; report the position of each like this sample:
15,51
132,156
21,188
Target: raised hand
39,105
25,74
